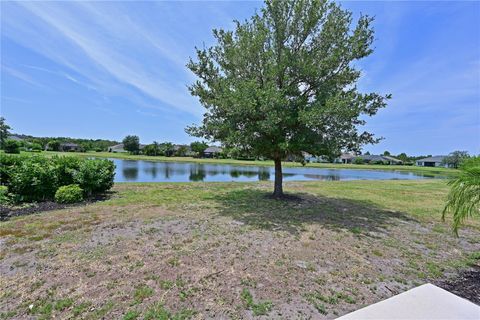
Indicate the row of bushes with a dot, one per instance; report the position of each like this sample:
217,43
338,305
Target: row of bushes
37,178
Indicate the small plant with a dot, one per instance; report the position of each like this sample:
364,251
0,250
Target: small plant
158,312
81,308
166,284
69,194
141,293
63,304
258,309
131,315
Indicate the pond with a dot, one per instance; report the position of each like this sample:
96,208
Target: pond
152,171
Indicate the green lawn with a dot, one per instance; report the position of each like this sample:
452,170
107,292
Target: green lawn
425,170
226,250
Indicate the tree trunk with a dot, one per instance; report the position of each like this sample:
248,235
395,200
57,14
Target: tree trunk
278,186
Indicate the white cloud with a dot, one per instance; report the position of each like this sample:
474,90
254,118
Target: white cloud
84,39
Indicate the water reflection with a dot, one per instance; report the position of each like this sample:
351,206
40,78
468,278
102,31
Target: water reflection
149,171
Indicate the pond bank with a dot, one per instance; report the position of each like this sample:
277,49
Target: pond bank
425,170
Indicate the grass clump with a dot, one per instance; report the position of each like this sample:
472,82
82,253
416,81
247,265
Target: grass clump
131,315
159,312
141,293
63,304
258,309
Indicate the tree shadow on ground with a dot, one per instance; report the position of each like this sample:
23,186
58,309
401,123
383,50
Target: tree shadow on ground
256,208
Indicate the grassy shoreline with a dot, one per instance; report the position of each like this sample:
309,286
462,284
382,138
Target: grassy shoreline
125,156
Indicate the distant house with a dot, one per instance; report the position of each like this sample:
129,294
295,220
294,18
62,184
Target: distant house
212,152
379,158
68,146
14,137
346,157
186,148
436,161
118,148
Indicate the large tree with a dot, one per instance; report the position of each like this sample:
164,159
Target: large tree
455,158
131,144
284,82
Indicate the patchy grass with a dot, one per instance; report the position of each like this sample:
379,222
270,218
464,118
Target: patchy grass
226,250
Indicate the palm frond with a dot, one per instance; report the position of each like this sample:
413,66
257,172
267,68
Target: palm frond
464,198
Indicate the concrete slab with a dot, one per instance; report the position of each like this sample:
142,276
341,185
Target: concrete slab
424,302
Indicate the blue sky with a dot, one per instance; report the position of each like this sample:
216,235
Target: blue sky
108,69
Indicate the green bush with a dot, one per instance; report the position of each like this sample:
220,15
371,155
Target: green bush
4,199
65,168
7,162
358,160
36,147
34,179
11,146
95,176
37,178
69,194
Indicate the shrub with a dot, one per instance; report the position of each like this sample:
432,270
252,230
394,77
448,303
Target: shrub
65,168
358,160
95,175
69,194
36,178
36,147
6,164
11,146
4,199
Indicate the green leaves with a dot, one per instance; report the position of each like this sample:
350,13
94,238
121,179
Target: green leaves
284,81
464,197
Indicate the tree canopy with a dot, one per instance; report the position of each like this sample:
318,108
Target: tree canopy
131,144
455,158
284,82
4,131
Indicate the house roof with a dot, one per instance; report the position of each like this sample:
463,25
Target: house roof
433,159
69,144
392,159
120,146
347,155
213,150
373,157
15,137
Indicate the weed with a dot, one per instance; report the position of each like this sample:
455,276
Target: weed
81,308
63,304
131,315
141,293
166,284
174,262
158,312
433,269
258,309
378,253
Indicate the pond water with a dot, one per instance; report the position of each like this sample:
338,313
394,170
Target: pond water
152,171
